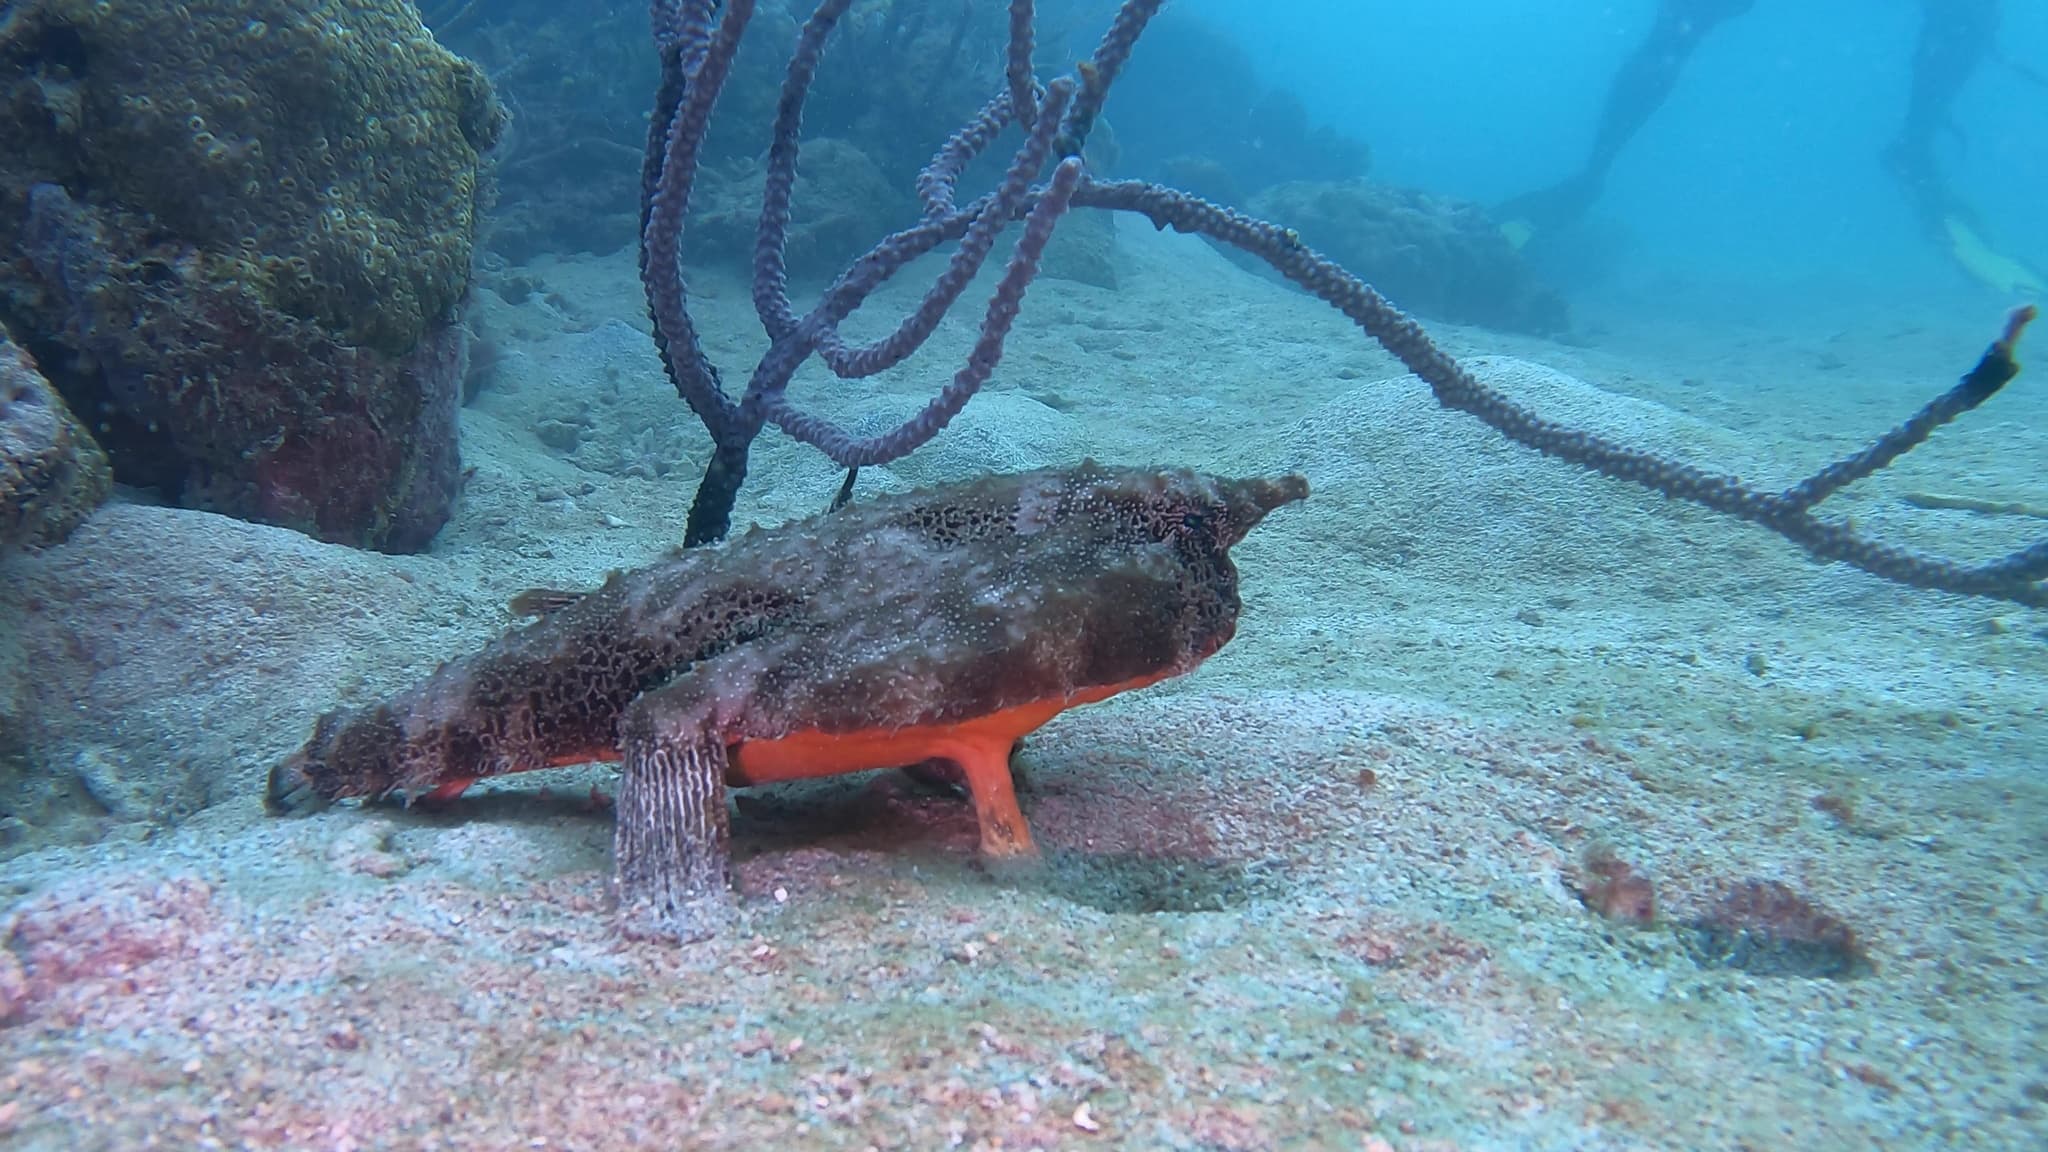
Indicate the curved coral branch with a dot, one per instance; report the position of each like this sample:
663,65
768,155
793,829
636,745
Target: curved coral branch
695,60
698,66
2017,577
849,451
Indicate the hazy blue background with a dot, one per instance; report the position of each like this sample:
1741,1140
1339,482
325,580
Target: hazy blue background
1762,168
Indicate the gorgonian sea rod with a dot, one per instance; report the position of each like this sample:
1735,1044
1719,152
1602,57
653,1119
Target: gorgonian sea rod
1045,177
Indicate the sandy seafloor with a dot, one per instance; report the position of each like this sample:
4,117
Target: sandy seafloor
1321,894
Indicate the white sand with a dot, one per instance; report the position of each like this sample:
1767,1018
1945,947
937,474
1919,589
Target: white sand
1319,894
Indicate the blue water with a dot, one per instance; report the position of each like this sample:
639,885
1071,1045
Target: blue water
1525,809
1762,167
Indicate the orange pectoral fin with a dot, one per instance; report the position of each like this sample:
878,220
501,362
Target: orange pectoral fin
542,601
986,765
445,792
980,746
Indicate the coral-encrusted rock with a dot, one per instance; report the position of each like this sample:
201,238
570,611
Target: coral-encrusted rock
245,229
51,472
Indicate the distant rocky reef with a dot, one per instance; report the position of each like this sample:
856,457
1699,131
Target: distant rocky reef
900,76
1436,255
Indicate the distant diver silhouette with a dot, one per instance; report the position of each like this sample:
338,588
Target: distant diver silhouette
1955,37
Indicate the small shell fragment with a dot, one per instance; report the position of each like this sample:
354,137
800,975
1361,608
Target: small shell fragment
1084,1121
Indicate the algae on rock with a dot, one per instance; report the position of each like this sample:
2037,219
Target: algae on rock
247,227
52,474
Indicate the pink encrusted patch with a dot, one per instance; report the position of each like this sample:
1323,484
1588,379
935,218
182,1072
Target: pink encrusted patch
88,931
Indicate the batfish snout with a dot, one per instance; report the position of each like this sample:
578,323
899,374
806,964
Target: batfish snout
1248,501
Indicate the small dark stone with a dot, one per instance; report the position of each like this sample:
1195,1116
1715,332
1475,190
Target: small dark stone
560,435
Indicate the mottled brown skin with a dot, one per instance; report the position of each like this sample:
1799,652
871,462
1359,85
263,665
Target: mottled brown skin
939,624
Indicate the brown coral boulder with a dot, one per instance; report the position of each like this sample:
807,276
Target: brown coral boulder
242,229
51,472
